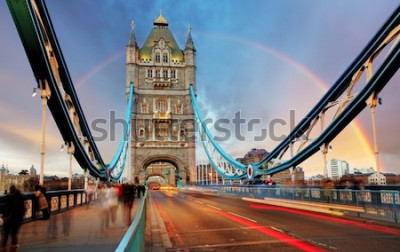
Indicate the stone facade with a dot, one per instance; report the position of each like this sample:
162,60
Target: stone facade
7,179
162,114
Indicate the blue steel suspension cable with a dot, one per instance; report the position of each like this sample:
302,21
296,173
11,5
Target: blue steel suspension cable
125,135
203,128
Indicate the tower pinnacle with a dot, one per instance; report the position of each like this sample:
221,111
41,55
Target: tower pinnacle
160,20
132,38
189,41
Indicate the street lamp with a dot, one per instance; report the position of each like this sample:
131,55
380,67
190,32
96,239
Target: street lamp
45,94
373,102
324,150
34,93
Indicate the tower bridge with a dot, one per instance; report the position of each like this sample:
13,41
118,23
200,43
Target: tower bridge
162,115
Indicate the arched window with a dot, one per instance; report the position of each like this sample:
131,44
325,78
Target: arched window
149,73
141,132
182,134
162,106
165,57
178,108
158,57
144,107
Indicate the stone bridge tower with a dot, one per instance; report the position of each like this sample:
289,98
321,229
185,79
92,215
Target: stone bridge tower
162,136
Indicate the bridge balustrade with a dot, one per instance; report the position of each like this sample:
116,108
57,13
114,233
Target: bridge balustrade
59,201
133,239
377,204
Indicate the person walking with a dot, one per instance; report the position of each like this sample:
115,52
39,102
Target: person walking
128,198
42,202
13,213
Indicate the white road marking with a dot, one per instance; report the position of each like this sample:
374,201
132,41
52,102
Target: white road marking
277,229
238,215
199,202
214,207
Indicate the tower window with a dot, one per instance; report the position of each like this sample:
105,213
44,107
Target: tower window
141,132
144,108
165,73
178,108
165,57
149,73
162,106
173,74
158,57
157,73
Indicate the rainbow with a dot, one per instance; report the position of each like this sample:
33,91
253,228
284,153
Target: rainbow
356,126
98,67
358,130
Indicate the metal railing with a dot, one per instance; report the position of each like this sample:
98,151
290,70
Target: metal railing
377,204
59,201
133,239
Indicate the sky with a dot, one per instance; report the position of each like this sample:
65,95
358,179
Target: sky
265,60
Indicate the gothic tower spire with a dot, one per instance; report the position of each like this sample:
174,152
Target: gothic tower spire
132,55
132,38
189,41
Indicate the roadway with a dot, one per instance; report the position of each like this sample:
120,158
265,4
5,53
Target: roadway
198,222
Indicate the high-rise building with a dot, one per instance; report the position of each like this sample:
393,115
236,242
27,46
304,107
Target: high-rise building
162,114
337,168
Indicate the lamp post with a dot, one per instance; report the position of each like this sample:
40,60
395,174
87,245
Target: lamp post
378,168
372,102
71,150
324,150
45,94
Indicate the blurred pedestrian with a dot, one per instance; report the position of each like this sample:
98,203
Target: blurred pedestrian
113,203
13,214
40,193
128,198
90,192
141,189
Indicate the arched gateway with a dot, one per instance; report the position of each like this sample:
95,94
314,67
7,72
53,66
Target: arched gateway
162,115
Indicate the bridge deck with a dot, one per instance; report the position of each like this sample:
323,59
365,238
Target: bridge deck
80,229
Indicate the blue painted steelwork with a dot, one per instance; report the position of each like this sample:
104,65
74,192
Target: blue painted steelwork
272,163
202,129
123,146
50,70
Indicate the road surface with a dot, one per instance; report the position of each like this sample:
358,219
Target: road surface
197,222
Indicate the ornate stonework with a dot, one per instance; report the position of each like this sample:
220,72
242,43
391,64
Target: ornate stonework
162,115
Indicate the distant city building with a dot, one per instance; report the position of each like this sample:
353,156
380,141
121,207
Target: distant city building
337,168
253,156
7,179
256,155
392,178
285,176
364,170
373,179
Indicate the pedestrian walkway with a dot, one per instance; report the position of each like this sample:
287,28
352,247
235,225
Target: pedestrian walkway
80,229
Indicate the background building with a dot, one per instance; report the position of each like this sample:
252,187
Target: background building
7,179
337,168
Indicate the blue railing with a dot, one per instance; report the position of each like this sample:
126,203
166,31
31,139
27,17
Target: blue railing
133,239
375,204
